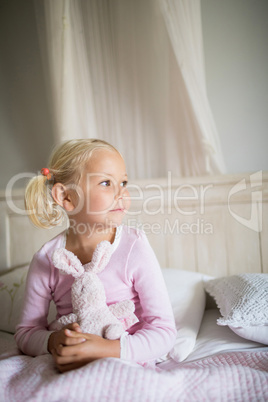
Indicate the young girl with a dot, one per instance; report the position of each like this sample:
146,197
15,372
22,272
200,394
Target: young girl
87,180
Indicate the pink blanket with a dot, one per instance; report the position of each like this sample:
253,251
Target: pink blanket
236,376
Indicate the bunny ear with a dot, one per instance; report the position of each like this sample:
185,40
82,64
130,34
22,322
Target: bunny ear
67,262
101,256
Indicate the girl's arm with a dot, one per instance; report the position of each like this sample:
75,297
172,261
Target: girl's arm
156,334
32,334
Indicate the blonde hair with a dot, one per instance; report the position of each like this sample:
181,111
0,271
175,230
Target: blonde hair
66,166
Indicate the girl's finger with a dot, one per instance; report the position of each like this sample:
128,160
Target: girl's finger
74,326
77,327
69,340
73,334
62,359
67,351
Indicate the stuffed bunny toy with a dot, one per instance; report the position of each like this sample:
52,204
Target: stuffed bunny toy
90,310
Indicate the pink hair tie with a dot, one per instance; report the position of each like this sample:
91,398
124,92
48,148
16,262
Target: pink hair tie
46,172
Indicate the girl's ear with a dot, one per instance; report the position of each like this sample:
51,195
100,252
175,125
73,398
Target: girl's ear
62,197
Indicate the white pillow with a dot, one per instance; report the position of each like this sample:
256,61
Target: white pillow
213,338
12,286
188,300
243,303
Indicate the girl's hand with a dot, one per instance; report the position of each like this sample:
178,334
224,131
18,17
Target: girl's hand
94,347
64,337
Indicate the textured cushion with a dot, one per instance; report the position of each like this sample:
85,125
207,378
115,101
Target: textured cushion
12,288
243,303
188,300
12,285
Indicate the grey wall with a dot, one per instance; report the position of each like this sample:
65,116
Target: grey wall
235,36
236,55
25,128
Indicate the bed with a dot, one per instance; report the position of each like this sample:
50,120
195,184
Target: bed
210,236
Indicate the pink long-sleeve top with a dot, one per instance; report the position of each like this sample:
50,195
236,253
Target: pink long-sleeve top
132,273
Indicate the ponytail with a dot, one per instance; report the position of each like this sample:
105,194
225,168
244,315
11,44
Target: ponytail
43,211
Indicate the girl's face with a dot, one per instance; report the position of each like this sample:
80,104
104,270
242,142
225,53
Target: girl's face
105,198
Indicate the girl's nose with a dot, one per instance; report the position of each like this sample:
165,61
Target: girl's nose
119,193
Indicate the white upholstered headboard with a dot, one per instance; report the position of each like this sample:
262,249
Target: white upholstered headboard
215,224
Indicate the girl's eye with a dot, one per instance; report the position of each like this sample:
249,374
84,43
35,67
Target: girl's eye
124,183
106,183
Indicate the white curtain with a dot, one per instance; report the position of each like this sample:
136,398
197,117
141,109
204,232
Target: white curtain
183,22
131,72
63,49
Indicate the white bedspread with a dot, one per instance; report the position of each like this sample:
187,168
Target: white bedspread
233,376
